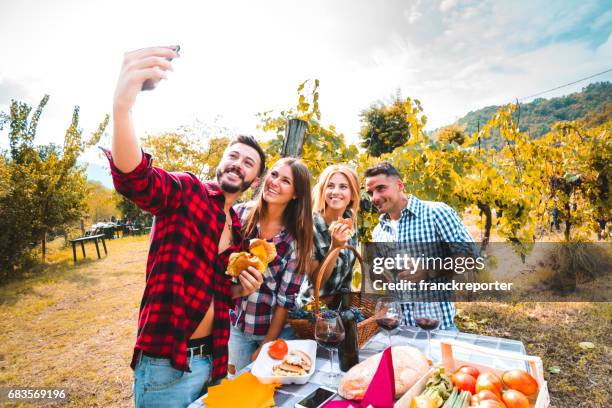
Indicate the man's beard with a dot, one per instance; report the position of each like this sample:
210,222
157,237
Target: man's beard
232,188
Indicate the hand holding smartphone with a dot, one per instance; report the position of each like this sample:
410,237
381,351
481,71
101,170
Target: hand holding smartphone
149,84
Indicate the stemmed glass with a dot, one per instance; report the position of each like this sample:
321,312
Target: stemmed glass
388,314
426,319
329,333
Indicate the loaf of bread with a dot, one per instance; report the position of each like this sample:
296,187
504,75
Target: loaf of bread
409,365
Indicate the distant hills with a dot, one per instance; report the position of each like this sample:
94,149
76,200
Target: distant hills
593,103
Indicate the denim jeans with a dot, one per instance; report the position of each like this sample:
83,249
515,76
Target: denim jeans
158,384
242,345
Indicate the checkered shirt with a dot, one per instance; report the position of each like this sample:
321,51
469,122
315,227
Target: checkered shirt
342,273
432,229
185,274
253,314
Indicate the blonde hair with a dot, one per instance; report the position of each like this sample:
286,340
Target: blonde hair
318,192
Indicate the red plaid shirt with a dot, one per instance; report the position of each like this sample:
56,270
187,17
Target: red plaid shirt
184,272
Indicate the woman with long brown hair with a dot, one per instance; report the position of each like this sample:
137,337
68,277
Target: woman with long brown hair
280,213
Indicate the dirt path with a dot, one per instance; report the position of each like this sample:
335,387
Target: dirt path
74,327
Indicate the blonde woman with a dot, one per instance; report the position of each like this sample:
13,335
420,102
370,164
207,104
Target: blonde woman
336,195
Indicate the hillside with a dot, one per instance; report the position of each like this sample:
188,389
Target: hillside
536,117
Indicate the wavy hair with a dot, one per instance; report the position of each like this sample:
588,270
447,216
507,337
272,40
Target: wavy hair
319,205
297,217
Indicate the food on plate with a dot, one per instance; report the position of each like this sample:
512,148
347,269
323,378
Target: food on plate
473,371
464,382
346,221
295,363
409,365
521,381
515,399
489,381
438,388
261,252
278,349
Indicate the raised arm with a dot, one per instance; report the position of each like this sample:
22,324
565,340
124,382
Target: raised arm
138,66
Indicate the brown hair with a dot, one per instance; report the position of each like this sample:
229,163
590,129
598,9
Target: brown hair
251,142
297,217
319,205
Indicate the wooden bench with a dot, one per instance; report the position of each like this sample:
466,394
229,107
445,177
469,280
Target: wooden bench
82,241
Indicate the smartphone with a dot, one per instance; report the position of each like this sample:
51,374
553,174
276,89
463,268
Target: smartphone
316,399
149,84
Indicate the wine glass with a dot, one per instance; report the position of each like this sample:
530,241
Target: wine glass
329,333
426,319
388,314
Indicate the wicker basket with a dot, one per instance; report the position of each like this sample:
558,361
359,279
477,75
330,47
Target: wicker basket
304,328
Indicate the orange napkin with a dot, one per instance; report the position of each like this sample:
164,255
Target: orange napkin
244,391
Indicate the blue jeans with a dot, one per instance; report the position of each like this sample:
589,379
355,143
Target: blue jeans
242,345
158,384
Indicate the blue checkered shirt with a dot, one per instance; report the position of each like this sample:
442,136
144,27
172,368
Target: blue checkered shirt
433,229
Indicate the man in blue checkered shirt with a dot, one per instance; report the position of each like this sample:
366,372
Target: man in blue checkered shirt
427,228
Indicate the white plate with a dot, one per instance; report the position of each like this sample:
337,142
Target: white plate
262,367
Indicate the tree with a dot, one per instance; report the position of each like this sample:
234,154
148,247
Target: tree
323,146
101,202
46,189
387,127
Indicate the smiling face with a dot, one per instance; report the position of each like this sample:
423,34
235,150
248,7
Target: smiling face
238,168
338,192
385,192
278,185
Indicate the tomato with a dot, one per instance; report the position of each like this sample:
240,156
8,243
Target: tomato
473,371
464,382
278,349
521,381
489,381
515,399
484,395
491,404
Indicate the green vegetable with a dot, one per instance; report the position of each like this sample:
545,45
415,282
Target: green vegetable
440,382
451,400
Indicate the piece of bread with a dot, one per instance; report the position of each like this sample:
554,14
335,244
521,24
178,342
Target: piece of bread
240,261
295,363
409,365
345,221
264,250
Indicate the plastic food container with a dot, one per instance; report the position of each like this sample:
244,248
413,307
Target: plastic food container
262,367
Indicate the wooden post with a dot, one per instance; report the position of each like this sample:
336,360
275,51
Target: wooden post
294,138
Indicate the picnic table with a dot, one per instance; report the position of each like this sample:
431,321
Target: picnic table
288,395
82,241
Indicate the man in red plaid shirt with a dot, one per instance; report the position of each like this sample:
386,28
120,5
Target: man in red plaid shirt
183,325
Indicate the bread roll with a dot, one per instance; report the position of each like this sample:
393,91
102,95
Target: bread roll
409,365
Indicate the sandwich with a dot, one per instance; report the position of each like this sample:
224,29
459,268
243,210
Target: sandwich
346,221
261,252
295,363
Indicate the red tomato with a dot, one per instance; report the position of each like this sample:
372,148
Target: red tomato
515,399
521,381
464,382
491,404
489,381
278,349
485,395
473,371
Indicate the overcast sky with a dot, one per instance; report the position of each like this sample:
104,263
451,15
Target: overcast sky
243,57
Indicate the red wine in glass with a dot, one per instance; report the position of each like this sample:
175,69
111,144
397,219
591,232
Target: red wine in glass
427,323
388,323
330,339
